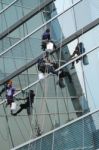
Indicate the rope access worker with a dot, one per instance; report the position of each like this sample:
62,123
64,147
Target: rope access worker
62,74
47,43
41,65
28,104
10,91
46,66
78,51
45,38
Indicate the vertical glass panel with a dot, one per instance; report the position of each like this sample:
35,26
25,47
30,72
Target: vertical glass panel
86,7
87,68
3,131
3,22
91,79
67,28
63,5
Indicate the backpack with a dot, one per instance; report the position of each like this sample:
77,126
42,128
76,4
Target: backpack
81,47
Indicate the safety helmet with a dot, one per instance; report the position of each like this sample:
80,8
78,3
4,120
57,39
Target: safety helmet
10,82
48,30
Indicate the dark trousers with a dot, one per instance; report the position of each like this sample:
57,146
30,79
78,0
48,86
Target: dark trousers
50,69
25,106
76,61
9,100
64,74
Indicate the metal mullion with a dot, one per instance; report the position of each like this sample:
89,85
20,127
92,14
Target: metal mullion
47,107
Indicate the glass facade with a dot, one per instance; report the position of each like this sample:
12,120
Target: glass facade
4,4
21,29
80,134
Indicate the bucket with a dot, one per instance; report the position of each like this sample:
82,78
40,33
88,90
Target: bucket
13,106
50,46
40,76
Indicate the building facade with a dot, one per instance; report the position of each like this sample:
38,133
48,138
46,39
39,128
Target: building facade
57,111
